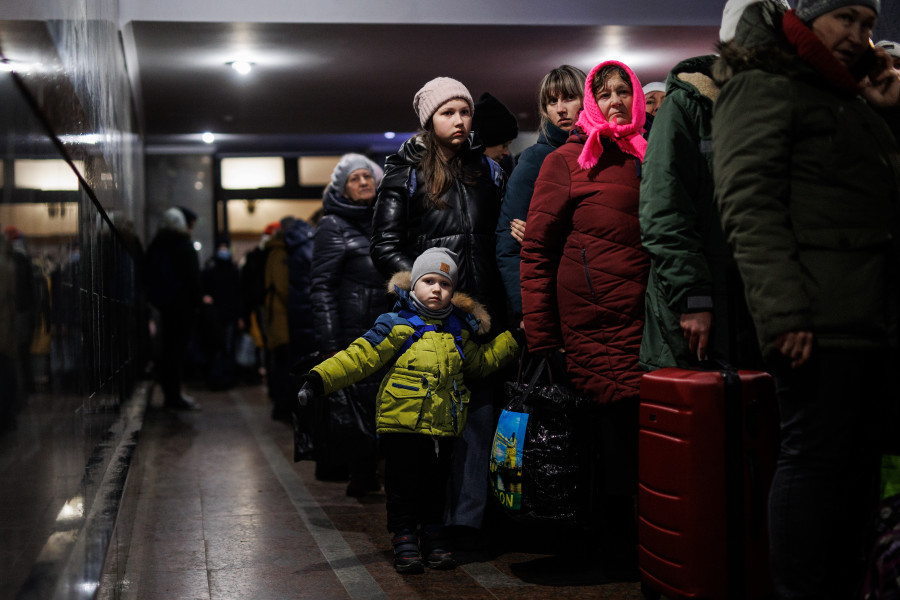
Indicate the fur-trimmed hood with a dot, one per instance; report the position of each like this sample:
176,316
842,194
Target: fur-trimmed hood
400,284
693,76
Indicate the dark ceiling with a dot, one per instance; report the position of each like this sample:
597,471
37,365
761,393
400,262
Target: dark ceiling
327,79
362,78
345,84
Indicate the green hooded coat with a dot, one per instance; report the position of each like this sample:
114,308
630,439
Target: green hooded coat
807,178
691,268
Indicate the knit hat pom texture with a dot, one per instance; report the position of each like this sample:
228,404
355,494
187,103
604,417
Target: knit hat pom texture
441,261
435,93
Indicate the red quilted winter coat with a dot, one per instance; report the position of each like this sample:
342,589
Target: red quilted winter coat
584,270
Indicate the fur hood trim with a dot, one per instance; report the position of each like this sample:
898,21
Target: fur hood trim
704,84
460,300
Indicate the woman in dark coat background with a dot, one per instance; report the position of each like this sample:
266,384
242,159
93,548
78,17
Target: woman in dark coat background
805,169
440,189
559,102
172,273
348,293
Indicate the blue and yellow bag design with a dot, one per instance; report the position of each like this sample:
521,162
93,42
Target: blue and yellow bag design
506,459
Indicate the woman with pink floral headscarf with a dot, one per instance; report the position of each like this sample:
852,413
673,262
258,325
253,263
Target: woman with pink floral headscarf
584,273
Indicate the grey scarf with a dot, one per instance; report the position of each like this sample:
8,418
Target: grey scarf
425,312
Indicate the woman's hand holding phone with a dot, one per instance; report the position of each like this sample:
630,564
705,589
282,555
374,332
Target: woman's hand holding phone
881,85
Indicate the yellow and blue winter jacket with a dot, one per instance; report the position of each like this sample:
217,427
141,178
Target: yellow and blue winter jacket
424,389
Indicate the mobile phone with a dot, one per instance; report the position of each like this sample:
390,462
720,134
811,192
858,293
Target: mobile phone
868,64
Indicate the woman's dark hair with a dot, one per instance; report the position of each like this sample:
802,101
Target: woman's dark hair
566,81
439,172
602,76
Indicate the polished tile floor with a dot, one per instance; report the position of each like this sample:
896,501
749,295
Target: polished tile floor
224,513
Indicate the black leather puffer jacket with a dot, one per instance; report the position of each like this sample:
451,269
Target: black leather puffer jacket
348,293
405,224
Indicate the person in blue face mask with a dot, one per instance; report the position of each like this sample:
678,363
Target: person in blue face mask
222,308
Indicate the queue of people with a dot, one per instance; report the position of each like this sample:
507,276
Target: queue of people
756,224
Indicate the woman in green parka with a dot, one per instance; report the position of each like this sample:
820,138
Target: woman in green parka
805,170
694,295
695,298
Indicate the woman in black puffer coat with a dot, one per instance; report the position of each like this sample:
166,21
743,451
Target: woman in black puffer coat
408,220
440,190
348,293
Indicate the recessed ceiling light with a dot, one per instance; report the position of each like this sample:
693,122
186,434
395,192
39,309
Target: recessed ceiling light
208,137
390,135
241,66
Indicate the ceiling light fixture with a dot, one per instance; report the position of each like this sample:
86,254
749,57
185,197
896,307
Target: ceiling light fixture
241,66
208,137
390,135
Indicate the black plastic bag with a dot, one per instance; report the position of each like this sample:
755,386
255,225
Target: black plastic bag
323,429
535,462
301,417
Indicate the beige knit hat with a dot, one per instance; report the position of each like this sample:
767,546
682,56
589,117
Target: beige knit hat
435,93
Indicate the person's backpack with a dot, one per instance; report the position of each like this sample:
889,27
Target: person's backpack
299,246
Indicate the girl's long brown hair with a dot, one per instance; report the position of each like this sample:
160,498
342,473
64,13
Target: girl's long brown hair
439,172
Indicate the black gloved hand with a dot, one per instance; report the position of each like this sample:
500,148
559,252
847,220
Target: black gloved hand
312,388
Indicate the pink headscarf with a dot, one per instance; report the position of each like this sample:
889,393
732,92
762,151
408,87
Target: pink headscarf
592,122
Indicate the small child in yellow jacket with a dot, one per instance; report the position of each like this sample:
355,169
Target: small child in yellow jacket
428,347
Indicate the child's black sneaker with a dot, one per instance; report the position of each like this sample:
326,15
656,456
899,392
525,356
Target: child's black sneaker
434,547
407,559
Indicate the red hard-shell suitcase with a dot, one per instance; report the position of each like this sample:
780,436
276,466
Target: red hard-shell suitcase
708,445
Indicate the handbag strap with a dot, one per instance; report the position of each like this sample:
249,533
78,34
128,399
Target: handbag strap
542,365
